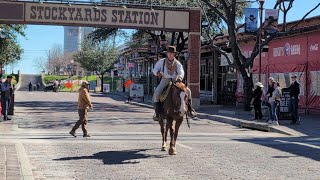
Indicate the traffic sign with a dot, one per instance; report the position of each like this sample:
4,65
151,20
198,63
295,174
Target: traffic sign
68,85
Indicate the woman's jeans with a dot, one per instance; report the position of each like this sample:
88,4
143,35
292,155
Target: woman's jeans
274,107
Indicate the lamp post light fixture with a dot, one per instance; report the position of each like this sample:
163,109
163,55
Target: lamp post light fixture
261,2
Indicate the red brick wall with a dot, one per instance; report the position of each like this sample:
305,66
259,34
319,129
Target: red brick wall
194,51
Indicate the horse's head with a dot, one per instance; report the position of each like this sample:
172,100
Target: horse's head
179,98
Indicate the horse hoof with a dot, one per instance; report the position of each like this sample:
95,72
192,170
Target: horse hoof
164,147
172,151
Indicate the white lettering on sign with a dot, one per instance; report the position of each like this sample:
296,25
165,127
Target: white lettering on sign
287,50
314,47
295,49
278,51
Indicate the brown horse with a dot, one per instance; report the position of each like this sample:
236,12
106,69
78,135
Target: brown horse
174,107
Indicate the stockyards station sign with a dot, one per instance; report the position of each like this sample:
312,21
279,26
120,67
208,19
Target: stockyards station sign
97,16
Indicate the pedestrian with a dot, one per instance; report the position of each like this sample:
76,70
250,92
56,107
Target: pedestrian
55,86
30,86
256,101
275,101
6,94
167,69
38,86
84,104
294,100
271,86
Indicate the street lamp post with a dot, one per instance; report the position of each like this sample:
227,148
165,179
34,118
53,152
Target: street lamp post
154,79
71,74
186,56
260,37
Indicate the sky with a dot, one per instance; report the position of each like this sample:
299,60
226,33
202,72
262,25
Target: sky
39,38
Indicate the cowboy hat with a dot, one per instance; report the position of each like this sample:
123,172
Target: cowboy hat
84,83
259,84
171,49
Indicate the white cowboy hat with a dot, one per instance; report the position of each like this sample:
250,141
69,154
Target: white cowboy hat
259,84
271,78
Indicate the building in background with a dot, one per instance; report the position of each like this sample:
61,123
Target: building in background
73,37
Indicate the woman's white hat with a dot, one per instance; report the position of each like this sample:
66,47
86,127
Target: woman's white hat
259,84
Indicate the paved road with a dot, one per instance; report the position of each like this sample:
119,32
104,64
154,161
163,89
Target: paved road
125,144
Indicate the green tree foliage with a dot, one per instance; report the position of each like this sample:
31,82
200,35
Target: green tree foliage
97,57
10,50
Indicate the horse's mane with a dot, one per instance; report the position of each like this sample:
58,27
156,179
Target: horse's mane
181,86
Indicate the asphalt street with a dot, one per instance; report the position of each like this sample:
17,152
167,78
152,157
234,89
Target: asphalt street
126,142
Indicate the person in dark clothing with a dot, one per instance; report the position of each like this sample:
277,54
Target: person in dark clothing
256,101
269,95
30,86
294,100
38,86
6,94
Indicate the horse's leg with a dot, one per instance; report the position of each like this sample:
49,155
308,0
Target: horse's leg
177,126
164,135
171,125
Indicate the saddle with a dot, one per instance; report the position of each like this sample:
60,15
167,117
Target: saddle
165,92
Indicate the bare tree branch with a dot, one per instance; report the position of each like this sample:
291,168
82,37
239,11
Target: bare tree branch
304,17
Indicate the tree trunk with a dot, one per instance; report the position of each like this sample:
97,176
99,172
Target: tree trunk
173,36
101,82
247,87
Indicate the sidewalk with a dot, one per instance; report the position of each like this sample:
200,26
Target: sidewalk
13,162
310,124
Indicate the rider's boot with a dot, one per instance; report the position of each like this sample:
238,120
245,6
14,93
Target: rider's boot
191,112
157,116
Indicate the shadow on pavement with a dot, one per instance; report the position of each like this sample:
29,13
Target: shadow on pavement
67,106
116,157
298,147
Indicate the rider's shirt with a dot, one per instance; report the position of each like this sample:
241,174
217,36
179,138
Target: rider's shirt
179,72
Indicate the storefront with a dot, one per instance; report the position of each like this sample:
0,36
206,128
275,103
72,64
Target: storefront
298,54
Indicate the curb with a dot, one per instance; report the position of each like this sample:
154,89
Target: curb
248,124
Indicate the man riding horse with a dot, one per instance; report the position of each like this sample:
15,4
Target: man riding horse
168,69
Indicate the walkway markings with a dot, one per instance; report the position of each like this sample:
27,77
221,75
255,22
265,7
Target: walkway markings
184,146
26,170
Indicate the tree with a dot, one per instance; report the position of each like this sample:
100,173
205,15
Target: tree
97,57
41,64
176,38
227,11
57,61
10,49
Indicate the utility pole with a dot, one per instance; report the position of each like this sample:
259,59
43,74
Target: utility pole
49,63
